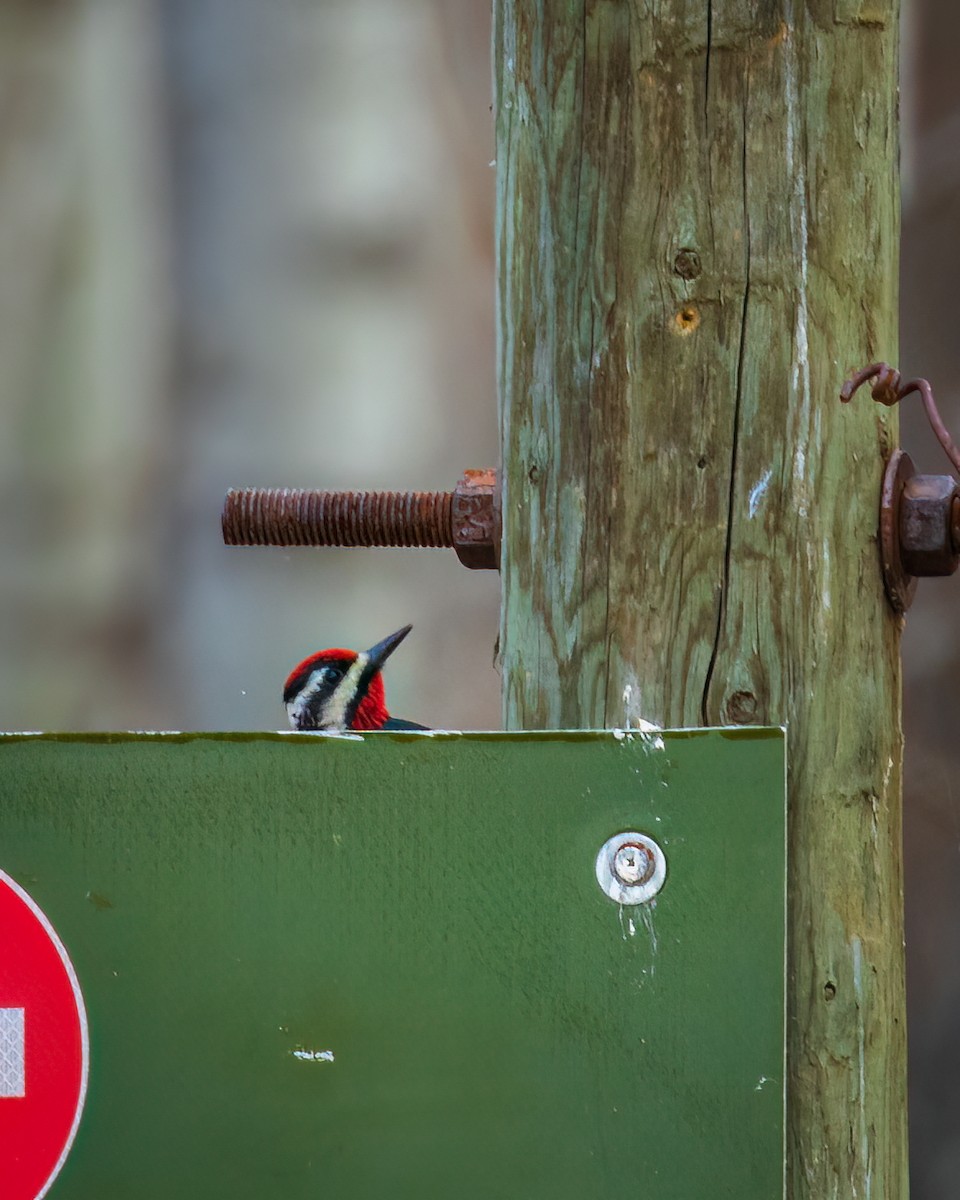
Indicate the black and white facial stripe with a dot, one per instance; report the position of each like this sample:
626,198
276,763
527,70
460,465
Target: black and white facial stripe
328,695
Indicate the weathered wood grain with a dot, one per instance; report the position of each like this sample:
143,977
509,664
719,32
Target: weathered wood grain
697,238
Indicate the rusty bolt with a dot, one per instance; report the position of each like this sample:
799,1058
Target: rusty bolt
919,514
919,528
928,525
468,518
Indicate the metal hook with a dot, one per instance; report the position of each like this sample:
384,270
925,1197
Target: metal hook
889,389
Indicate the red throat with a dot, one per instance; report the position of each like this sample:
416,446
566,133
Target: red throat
372,711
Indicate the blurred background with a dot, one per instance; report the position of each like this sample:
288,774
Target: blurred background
248,243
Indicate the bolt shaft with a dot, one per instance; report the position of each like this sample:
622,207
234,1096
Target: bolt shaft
303,517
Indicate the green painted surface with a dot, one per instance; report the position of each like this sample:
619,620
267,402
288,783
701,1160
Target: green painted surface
425,908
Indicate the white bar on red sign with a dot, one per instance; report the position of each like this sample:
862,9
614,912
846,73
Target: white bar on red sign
12,1074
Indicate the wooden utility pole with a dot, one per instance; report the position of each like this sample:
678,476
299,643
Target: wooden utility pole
697,239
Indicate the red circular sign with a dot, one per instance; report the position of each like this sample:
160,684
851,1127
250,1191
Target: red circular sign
43,1047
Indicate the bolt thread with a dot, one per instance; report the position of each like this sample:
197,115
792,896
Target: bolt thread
303,517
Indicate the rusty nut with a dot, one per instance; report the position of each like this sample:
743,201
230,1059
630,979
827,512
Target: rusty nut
929,510
955,523
475,520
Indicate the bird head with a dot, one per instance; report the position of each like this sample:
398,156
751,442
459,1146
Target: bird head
340,689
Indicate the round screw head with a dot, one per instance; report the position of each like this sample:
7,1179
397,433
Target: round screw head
633,864
631,868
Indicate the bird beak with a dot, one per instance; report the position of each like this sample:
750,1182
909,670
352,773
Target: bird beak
377,655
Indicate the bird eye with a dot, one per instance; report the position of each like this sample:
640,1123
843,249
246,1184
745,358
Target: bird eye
330,674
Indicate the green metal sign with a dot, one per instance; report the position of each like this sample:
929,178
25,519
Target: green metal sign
319,967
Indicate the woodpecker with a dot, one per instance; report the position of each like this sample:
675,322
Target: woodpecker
336,690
